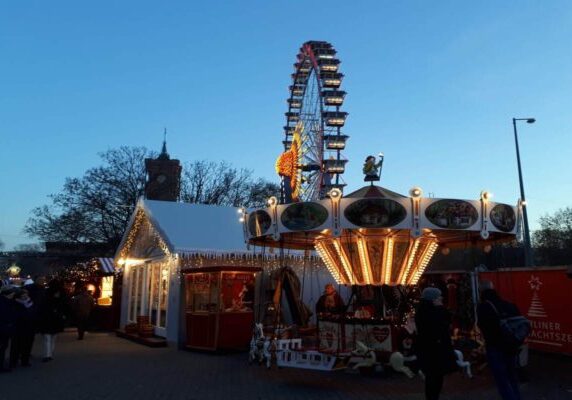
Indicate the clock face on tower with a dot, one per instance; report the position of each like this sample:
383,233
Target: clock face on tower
161,178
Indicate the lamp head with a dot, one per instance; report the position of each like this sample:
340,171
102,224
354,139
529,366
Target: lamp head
530,121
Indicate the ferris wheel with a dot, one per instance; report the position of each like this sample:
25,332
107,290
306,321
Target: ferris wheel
312,163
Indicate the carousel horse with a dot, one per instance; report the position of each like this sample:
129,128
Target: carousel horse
260,346
369,359
397,362
464,365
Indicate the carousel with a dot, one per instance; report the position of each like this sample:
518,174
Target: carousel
374,241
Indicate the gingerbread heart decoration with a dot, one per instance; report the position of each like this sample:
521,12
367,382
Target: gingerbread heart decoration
380,333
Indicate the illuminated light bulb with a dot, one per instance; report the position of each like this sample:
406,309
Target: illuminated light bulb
416,192
410,260
345,262
388,261
335,193
330,265
272,201
364,258
486,195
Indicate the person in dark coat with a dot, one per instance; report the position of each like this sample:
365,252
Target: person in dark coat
434,348
330,302
7,322
36,290
82,305
23,336
52,317
502,359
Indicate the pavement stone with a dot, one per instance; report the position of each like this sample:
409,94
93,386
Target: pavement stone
105,367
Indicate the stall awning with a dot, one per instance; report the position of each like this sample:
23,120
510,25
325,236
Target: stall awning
107,265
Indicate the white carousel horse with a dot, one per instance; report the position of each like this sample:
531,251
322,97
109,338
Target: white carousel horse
368,355
464,365
397,362
260,346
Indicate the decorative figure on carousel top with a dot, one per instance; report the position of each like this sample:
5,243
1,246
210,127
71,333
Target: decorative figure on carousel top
372,169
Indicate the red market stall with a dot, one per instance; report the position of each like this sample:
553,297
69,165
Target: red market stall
219,310
543,296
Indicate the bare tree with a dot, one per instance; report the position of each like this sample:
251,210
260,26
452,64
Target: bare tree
96,207
553,241
207,182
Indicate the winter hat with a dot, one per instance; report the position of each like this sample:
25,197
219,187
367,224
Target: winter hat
430,293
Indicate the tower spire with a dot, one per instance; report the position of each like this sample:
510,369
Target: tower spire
164,155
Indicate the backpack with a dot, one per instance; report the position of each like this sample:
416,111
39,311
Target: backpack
514,329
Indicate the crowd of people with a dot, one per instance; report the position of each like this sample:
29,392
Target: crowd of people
38,307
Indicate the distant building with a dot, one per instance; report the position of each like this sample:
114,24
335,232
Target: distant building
163,177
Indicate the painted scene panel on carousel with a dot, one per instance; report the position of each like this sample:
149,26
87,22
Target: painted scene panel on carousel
503,218
259,222
303,216
374,213
451,213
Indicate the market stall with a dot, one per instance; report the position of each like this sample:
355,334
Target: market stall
219,307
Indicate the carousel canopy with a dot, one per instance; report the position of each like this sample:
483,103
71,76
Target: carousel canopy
375,236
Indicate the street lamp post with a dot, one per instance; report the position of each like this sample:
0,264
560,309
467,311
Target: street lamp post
528,261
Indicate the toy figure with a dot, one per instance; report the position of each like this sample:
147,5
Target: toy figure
371,168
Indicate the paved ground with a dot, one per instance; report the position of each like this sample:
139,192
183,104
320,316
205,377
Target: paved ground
106,367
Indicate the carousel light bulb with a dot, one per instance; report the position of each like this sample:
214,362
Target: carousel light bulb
486,195
416,192
335,193
523,203
241,219
272,201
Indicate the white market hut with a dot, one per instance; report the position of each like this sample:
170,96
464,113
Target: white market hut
186,269
159,240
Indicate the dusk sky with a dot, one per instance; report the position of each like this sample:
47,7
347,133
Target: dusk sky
434,85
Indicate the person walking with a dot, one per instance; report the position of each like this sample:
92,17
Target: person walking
82,305
7,321
25,331
435,352
501,356
52,317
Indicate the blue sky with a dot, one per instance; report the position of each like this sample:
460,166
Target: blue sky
433,85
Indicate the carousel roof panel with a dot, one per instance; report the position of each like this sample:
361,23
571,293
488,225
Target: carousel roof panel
373,191
192,227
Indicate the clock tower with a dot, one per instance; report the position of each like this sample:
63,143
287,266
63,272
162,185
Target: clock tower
163,176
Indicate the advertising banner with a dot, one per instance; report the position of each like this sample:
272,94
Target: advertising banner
543,296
